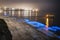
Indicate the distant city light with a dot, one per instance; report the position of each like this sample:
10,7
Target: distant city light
13,8
26,11
5,8
1,10
33,10
26,8
36,10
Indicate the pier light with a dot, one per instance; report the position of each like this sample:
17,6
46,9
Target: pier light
5,8
36,10
1,10
47,22
13,11
13,8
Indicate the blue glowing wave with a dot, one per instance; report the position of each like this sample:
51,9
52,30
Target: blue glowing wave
54,28
34,23
38,26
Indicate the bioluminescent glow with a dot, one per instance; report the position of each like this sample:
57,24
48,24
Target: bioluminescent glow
26,20
48,33
35,24
54,28
40,25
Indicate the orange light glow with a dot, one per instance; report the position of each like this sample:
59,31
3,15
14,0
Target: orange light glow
47,15
47,22
36,10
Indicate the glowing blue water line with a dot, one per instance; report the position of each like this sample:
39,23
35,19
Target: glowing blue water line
39,25
34,23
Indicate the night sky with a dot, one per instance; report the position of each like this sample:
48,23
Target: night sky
52,6
42,4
